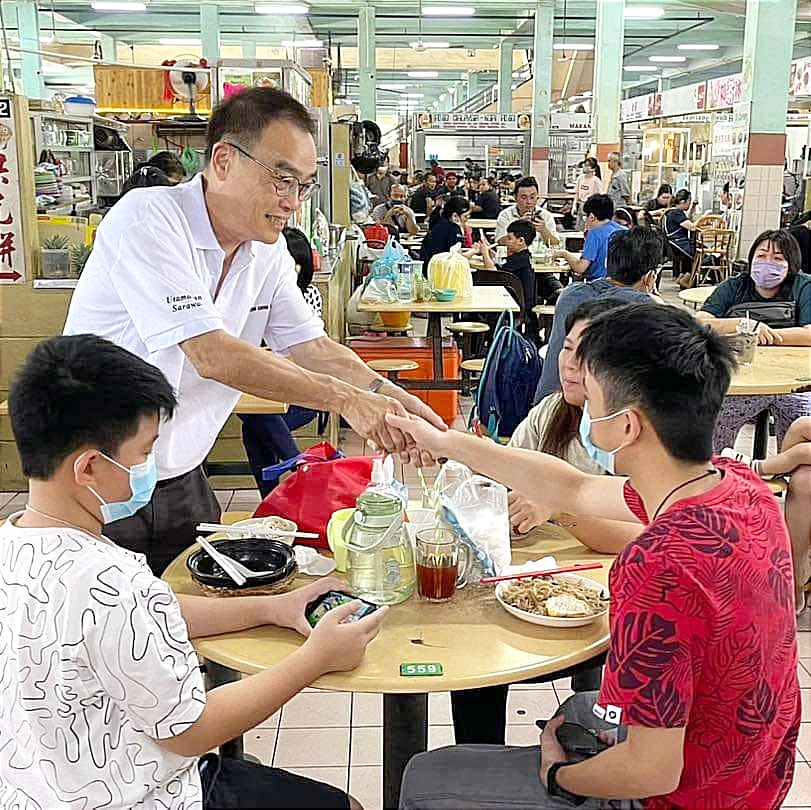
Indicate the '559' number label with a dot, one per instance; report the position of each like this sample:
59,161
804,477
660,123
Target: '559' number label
411,670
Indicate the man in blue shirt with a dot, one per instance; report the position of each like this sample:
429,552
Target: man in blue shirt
633,257
599,229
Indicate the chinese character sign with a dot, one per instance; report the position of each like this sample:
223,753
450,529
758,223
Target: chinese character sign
12,262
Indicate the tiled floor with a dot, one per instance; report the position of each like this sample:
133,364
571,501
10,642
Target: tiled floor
337,737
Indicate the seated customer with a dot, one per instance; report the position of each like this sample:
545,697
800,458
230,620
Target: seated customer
487,202
633,257
600,228
103,701
395,212
170,164
706,587
520,235
679,230
447,229
777,295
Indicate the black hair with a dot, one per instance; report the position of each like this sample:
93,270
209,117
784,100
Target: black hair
788,246
665,188
168,163
245,116
664,361
526,182
726,187
592,161
601,206
625,217
682,195
81,391
302,252
455,205
803,218
633,254
524,229
145,177
564,421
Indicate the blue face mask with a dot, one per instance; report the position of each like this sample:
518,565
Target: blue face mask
603,458
143,480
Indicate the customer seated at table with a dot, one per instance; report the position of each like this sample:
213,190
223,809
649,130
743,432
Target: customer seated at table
520,235
479,715
526,207
661,202
624,217
487,203
268,437
631,264
395,212
679,230
777,295
446,230
793,461
102,697
600,228
422,199
700,689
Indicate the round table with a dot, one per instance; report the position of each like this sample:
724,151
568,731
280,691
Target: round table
696,295
476,641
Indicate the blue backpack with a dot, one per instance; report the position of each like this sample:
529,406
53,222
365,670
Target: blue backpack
509,378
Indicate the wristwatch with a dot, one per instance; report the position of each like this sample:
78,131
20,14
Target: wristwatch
554,789
376,384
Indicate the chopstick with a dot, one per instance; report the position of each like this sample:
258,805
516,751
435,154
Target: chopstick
531,574
251,530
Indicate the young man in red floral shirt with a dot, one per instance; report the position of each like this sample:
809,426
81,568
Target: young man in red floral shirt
701,674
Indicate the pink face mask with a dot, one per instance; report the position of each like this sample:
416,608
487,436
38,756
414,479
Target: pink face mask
767,275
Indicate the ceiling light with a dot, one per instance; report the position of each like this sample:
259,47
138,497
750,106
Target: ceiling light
442,97
699,47
392,86
587,94
573,46
302,43
448,11
117,5
644,12
423,74
664,59
181,41
640,68
420,45
413,95
292,9
516,74
47,40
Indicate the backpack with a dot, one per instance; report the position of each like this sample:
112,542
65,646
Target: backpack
509,378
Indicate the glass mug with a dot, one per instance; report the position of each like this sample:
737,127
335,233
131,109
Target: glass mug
744,347
439,568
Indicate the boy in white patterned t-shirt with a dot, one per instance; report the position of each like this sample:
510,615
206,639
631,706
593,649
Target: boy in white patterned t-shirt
102,702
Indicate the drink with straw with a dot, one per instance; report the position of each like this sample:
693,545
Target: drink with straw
746,340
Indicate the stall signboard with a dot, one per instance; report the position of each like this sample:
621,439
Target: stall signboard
12,262
684,100
571,121
455,122
730,146
800,78
641,108
724,92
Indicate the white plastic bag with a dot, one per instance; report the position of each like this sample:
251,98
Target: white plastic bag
451,271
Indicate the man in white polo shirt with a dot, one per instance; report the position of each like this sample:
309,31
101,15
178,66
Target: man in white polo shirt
526,200
193,279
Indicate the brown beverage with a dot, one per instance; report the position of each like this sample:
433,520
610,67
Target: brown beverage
437,558
436,582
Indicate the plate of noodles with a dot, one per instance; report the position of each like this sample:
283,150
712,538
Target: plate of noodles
561,600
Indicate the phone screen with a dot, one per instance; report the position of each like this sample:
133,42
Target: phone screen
319,608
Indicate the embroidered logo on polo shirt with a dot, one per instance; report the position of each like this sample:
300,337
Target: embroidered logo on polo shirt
610,714
181,302
259,308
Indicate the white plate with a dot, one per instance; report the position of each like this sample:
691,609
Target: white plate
261,523
553,621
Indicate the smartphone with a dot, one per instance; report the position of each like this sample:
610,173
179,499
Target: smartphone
577,739
319,608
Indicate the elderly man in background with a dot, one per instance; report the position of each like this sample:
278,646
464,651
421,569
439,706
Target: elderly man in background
395,212
619,189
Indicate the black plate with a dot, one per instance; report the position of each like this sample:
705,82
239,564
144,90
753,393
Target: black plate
255,553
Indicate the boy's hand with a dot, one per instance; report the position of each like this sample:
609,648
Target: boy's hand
551,750
424,435
287,610
337,647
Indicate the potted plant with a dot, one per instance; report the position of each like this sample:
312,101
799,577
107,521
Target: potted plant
79,255
55,257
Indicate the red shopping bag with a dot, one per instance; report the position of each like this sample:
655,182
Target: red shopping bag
323,482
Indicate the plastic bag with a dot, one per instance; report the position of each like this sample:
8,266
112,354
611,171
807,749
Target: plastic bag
190,160
357,322
451,271
476,509
379,291
386,265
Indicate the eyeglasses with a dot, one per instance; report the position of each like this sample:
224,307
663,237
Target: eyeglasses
285,184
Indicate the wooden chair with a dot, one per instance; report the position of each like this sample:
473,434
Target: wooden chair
714,244
710,221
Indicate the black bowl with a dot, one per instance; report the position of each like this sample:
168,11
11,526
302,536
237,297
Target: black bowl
256,553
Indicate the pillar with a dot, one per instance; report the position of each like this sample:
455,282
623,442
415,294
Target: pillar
210,31
474,83
608,77
31,63
109,48
542,92
366,63
249,49
505,76
767,50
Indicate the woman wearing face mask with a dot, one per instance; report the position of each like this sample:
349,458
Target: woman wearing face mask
588,183
447,230
777,295
553,426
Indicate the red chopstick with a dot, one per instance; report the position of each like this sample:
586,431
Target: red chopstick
531,574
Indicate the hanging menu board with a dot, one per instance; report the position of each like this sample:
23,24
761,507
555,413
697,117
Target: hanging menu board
730,145
12,263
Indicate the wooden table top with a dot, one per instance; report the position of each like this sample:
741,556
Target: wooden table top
776,370
696,295
477,642
538,265
484,299
481,223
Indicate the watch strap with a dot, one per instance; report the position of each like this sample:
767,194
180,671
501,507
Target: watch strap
376,384
554,789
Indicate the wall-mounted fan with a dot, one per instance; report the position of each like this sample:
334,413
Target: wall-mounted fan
185,83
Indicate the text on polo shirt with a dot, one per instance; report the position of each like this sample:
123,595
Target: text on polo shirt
181,302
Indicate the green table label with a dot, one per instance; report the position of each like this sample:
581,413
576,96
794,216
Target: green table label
411,670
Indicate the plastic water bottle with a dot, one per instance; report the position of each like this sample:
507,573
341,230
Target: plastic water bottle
405,284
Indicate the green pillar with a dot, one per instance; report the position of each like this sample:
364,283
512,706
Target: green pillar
608,76
768,45
505,76
109,47
249,49
366,63
31,63
542,91
210,31
474,83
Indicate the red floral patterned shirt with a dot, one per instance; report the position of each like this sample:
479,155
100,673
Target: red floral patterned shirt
703,636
